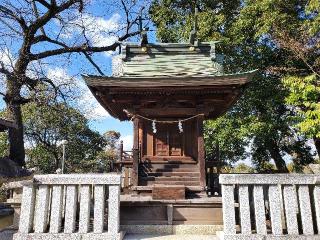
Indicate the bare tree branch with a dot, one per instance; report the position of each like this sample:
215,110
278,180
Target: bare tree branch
82,48
26,27
10,27
6,12
44,38
53,10
44,3
2,94
36,13
127,15
3,69
93,63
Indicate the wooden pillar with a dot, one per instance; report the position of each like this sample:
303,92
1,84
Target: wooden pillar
119,166
135,152
141,143
201,150
121,151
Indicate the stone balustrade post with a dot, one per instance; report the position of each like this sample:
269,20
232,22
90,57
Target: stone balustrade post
56,209
27,209
285,200
43,207
114,209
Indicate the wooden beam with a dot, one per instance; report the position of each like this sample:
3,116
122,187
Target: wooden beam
167,111
174,90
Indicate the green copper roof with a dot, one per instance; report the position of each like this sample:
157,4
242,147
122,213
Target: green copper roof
148,83
168,60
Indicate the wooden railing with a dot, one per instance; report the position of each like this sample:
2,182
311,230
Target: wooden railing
128,165
126,180
58,207
124,166
277,206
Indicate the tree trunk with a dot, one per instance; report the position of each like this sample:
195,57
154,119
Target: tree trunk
17,151
317,145
278,160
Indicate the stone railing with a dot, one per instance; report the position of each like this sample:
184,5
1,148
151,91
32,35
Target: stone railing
59,207
14,191
271,206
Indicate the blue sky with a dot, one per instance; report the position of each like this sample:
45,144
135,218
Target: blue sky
106,16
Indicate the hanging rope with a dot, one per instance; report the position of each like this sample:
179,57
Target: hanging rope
133,116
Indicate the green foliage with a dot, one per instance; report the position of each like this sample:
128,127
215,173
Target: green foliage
174,18
4,141
229,134
305,95
4,144
46,125
112,138
242,168
260,125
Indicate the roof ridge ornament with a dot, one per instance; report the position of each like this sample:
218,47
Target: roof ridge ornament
143,31
193,38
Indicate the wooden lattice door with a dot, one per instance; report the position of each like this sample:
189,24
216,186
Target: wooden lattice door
168,142
175,144
162,146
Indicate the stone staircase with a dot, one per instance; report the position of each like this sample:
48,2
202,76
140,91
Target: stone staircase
169,173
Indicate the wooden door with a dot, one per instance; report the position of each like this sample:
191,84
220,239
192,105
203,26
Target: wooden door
168,142
161,144
175,144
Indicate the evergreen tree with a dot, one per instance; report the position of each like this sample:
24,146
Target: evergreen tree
261,125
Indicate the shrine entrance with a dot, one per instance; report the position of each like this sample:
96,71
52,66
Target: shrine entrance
168,143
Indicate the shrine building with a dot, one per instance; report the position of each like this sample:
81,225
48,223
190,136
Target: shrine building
168,90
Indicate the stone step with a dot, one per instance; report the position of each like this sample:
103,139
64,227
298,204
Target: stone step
185,183
149,188
171,178
167,165
170,161
169,170
183,174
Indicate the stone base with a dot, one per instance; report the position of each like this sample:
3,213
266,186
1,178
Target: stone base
222,236
172,229
145,211
64,236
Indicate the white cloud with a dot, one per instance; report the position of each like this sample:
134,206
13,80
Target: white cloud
127,142
100,31
60,76
90,106
7,58
84,99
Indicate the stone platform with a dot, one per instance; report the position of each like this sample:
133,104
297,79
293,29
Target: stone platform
7,235
169,237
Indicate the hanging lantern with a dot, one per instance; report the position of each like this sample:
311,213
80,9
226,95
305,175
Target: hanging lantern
154,128
180,126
